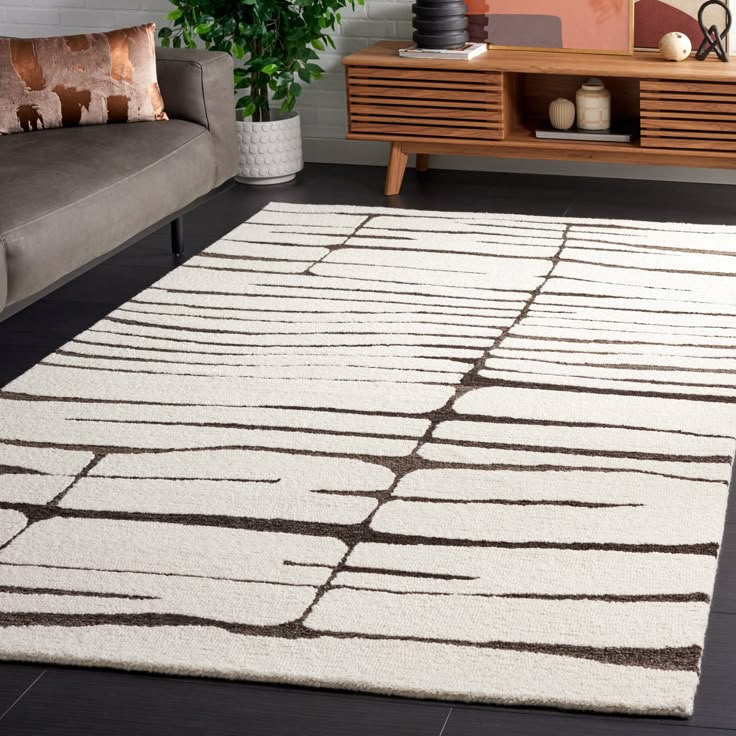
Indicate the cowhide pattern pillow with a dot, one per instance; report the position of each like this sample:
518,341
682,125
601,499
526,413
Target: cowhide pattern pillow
88,79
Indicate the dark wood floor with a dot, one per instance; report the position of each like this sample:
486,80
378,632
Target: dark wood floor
37,699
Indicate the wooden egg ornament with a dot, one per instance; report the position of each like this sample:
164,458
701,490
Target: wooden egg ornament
675,46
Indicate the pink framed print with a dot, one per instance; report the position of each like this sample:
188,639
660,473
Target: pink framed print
592,26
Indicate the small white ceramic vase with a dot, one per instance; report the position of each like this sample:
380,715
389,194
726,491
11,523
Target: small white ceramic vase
562,113
675,46
593,105
270,152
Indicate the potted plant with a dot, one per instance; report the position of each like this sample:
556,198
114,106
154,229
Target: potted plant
275,45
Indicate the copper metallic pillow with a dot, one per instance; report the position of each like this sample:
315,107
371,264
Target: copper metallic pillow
79,80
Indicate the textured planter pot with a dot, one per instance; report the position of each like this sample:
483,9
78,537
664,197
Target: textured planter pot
270,153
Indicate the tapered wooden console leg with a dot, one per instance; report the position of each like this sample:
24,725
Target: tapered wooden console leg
396,168
422,162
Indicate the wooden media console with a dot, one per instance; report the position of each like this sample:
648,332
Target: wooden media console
684,114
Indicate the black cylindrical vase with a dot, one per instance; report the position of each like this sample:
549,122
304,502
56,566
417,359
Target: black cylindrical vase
440,24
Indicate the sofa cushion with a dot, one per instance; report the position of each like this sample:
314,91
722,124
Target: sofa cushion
87,79
73,195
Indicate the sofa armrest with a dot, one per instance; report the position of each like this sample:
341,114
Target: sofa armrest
198,86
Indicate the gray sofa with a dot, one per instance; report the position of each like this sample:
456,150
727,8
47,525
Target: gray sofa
71,197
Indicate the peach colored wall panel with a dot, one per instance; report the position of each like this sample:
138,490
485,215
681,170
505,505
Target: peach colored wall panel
600,25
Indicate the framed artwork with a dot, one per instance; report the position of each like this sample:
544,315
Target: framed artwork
654,18
584,26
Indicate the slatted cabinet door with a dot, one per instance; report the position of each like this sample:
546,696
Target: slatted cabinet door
688,115
425,103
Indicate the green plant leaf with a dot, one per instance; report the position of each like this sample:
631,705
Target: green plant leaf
274,41
246,105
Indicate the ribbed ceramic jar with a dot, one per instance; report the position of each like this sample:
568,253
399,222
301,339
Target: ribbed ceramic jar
270,153
593,105
562,114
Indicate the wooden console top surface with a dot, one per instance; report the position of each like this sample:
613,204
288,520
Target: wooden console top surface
641,64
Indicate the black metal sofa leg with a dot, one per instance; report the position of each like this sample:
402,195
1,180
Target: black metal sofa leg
177,236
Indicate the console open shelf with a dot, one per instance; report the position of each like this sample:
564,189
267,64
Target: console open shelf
685,113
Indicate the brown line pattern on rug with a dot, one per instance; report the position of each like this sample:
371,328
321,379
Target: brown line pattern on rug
302,449
670,658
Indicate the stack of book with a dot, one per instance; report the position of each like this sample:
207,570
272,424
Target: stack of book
464,53
615,135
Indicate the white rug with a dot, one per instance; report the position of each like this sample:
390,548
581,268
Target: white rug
445,455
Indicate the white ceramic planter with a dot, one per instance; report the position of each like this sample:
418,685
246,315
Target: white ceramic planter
270,153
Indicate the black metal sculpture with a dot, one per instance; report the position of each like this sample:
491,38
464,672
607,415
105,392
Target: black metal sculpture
440,24
713,36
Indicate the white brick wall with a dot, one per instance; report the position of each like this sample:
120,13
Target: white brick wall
322,104
51,17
